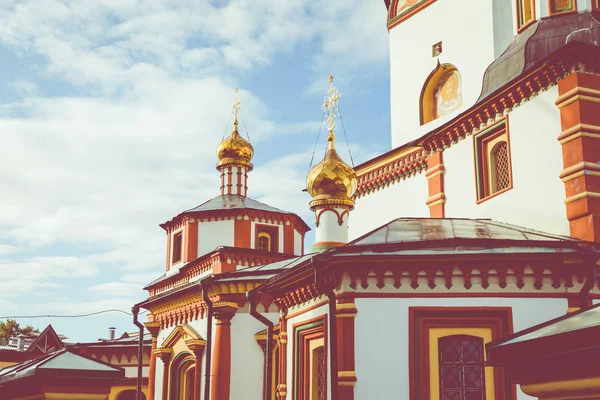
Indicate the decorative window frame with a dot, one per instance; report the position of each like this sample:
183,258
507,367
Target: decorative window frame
273,233
179,369
573,8
426,104
498,131
304,333
395,19
522,25
173,236
428,324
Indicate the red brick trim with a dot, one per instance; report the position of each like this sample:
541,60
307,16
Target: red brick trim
422,319
300,355
394,19
435,181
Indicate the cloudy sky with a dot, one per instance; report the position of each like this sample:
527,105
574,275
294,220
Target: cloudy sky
110,114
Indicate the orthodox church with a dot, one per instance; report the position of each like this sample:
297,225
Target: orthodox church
479,222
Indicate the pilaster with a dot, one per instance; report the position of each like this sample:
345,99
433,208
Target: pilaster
346,314
579,102
281,389
165,355
197,347
435,181
153,328
221,362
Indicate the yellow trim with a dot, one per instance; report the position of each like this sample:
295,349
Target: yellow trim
576,93
232,287
313,346
593,195
588,388
115,391
578,135
434,375
580,173
347,374
74,396
184,332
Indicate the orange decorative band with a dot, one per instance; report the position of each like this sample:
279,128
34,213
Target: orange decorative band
329,244
435,171
282,390
346,310
579,130
283,338
438,198
580,169
578,93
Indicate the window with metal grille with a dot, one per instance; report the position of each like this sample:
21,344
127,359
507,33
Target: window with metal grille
492,161
321,376
462,373
177,247
501,167
264,242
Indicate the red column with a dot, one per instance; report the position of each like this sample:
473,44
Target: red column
197,347
579,95
153,328
221,363
165,356
282,387
346,313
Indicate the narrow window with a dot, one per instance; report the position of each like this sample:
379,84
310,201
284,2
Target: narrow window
525,13
177,247
266,238
492,161
461,368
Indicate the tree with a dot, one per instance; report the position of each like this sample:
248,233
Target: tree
12,328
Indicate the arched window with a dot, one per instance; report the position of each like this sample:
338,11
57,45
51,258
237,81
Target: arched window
441,94
264,242
462,372
183,374
525,13
266,238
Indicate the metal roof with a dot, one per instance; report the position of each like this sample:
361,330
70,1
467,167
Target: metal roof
234,201
575,322
262,272
414,230
62,361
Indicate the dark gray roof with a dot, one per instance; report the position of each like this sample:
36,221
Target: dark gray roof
263,272
61,361
234,201
536,43
404,230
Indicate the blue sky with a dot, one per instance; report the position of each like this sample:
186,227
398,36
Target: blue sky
110,114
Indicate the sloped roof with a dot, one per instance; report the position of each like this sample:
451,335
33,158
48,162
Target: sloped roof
62,362
229,202
47,341
423,230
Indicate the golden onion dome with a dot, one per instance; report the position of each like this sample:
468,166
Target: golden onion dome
332,181
235,150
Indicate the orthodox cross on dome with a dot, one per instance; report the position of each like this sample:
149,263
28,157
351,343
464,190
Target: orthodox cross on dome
329,107
236,106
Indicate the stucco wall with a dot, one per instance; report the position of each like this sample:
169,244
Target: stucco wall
213,234
537,198
403,199
411,61
382,337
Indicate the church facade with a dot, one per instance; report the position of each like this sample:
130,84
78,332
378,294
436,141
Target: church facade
480,222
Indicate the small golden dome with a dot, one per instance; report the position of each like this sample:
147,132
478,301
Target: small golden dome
235,150
332,181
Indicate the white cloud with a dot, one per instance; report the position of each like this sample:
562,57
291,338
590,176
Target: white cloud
133,144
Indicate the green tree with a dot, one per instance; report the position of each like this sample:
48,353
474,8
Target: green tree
12,328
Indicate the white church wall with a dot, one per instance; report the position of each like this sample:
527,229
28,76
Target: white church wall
298,249
131,372
403,199
382,337
537,197
247,359
329,229
411,60
213,234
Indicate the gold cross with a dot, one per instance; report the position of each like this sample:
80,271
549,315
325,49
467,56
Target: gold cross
236,106
330,103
